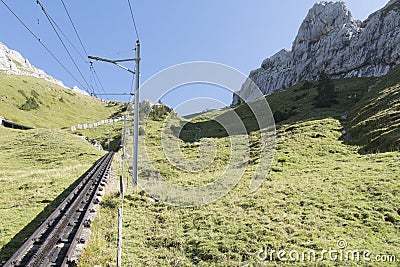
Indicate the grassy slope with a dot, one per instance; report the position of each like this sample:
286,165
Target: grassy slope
319,191
375,121
301,101
58,107
100,134
36,166
322,192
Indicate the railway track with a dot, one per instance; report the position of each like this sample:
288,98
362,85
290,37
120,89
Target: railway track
55,241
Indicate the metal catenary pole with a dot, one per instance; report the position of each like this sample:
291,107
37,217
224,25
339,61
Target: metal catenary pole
136,104
136,118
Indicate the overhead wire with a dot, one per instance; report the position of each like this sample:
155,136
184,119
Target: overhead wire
40,41
51,20
98,80
91,67
93,78
66,38
55,27
133,19
73,25
137,35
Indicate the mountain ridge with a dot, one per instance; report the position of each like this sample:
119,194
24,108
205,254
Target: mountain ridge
13,63
331,40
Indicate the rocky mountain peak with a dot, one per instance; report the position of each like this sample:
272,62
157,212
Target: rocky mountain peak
13,63
392,2
331,40
322,18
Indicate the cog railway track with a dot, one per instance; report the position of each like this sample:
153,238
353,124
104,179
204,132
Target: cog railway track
54,242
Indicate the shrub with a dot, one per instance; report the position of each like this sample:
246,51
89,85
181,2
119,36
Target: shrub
326,92
30,104
159,112
110,202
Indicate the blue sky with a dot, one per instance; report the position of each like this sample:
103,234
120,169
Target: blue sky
236,33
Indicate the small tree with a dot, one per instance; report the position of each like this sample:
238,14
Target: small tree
326,92
159,112
30,104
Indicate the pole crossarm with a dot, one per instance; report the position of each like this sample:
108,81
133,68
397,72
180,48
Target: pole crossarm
115,62
136,105
112,60
125,60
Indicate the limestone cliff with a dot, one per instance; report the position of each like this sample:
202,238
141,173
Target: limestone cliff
331,40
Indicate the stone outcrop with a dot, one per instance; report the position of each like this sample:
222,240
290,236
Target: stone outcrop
332,41
13,63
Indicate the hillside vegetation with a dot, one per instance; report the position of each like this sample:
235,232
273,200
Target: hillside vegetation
320,191
37,170
39,167
38,103
375,120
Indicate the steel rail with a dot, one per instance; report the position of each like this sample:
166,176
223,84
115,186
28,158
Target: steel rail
56,238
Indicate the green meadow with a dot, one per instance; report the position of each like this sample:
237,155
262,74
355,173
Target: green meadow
323,191
39,167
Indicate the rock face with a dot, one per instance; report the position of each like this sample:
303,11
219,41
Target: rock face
13,63
331,40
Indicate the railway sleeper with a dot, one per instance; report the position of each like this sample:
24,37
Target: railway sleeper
87,223
81,240
97,200
73,262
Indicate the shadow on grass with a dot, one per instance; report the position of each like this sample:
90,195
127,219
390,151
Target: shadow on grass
17,241
369,143
115,144
193,131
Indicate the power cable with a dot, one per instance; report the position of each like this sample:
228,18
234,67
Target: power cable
73,25
98,80
62,42
66,38
133,19
45,47
92,70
